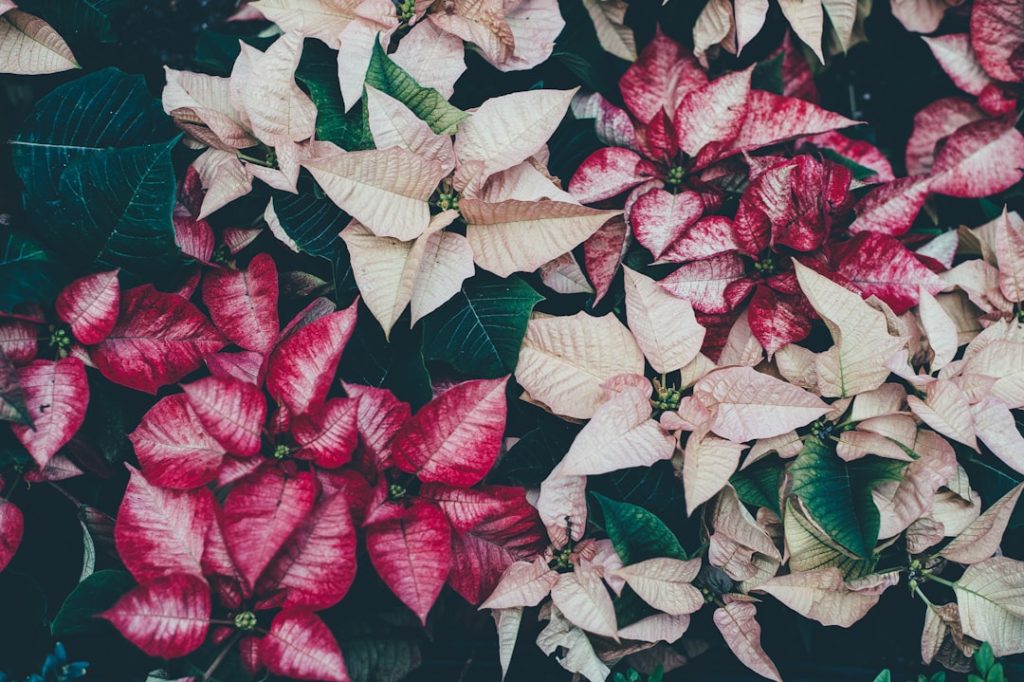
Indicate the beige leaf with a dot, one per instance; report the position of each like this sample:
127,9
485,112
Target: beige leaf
797,365
277,110
742,633
445,262
901,503
386,190
923,534
432,57
981,539
713,26
810,548
664,326
749,16
786,446
665,584
320,19
562,506
506,130
481,22
223,177
564,360
520,236
578,653
660,627
524,583
535,25
30,46
954,513
376,23
943,635
1010,253
609,22
824,596
732,519
842,14
747,404
997,428
939,328
807,19
507,623
565,276
947,410
620,435
991,599
856,363
741,346
582,597
201,106
708,462
857,444
885,400
395,125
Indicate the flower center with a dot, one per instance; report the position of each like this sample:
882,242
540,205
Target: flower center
60,341
396,491
765,266
245,620
666,398
281,451
562,561
675,176
448,201
822,428
406,10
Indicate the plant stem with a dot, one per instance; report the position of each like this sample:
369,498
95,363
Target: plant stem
10,490
220,657
254,160
937,579
919,593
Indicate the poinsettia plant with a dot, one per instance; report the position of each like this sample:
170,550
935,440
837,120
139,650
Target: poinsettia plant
373,330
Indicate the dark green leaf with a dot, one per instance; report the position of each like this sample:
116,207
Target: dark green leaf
759,484
768,75
77,20
984,658
93,595
837,494
636,533
397,365
86,117
655,488
859,172
531,459
884,676
479,331
318,72
427,103
376,651
12,398
312,222
27,275
579,51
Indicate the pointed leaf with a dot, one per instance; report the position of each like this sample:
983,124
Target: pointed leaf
742,634
665,584
982,538
56,396
31,46
582,597
12,527
708,462
166,617
173,448
231,411
90,305
980,158
243,303
824,596
300,646
991,600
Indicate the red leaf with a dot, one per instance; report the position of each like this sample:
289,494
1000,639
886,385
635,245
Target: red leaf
936,121
380,414
243,303
19,340
493,527
659,217
880,265
602,255
193,237
261,512
158,339
330,436
317,565
712,115
860,152
12,527
173,448
981,158
456,437
709,236
231,411
167,617
56,395
704,282
300,646
412,553
162,531
651,82
301,369
997,31
243,366
608,172
891,208
90,306
773,118
777,319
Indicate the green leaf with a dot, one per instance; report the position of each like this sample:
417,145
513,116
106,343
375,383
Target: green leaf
884,676
984,658
216,52
768,75
479,331
86,117
12,398
376,651
636,533
93,595
427,103
579,51
531,459
115,210
27,275
758,484
312,222
397,365
318,72
78,20
655,488
837,494
859,172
